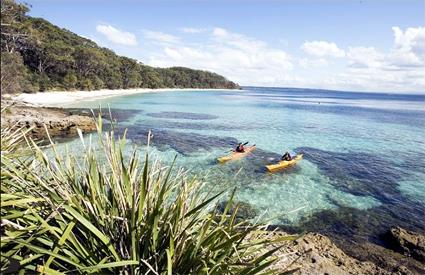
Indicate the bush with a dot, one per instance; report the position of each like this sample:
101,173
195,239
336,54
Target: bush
107,213
70,81
86,85
97,82
44,82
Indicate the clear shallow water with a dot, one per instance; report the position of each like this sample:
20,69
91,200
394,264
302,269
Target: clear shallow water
364,154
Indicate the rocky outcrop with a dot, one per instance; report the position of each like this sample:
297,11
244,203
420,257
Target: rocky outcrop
407,242
314,253
58,122
385,258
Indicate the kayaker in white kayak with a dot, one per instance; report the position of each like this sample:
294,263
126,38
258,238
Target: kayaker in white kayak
286,157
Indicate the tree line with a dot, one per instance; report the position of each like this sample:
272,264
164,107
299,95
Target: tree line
39,56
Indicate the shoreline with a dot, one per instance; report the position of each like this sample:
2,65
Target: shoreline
61,98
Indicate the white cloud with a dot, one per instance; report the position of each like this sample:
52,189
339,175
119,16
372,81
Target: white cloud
364,57
160,37
312,63
220,32
117,36
193,30
250,61
408,52
322,48
238,57
412,39
409,47
400,68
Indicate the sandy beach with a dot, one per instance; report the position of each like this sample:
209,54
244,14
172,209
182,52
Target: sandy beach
60,98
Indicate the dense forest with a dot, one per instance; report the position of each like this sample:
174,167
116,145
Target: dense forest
39,56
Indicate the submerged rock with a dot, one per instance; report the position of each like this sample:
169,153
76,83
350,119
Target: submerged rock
245,211
183,115
118,115
407,242
183,143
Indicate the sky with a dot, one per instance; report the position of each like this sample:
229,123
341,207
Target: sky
362,45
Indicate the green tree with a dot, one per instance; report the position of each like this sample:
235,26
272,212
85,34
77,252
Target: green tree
14,75
87,60
130,71
97,82
150,78
86,84
70,81
13,31
44,82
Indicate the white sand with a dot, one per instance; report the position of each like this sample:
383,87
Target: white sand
57,98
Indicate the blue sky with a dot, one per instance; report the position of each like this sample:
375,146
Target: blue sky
349,45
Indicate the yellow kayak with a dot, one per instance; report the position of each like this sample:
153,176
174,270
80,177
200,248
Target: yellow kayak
284,163
236,155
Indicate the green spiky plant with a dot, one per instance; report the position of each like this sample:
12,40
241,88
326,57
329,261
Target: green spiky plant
109,214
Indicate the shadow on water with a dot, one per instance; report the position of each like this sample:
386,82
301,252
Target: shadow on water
119,115
187,125
360,224
183,143
366,175
182,115
358,173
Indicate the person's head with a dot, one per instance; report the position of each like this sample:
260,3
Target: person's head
240,143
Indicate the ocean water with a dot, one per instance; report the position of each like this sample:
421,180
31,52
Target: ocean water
364,153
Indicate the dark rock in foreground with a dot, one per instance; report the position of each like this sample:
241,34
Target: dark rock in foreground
314,253
407,242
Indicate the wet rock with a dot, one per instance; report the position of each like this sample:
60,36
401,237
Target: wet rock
406,242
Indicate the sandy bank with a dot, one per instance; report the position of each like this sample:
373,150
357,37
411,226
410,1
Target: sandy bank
60,98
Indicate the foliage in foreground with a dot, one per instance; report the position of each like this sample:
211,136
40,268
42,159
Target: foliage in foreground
114,214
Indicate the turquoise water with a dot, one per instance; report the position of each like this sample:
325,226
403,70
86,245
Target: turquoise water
364,154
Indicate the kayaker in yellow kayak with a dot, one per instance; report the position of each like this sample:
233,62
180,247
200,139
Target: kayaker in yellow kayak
285,161
286,157
237,153
240,148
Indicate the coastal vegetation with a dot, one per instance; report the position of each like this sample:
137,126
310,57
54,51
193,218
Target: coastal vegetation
39,56
108,211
